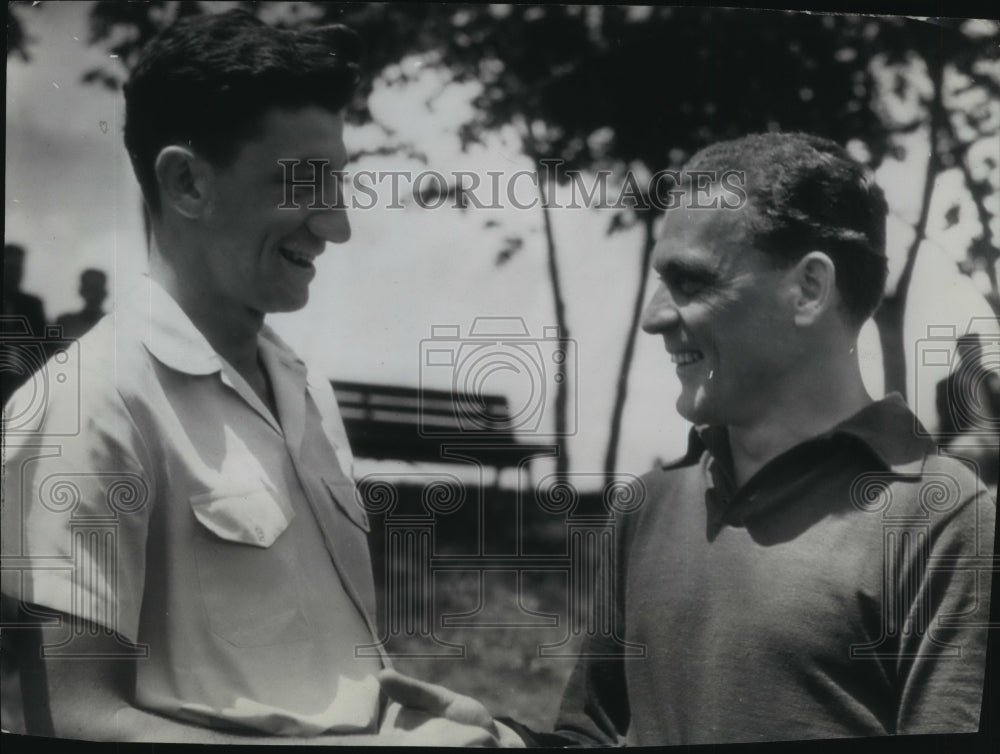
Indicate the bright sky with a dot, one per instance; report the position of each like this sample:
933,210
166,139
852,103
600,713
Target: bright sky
71,200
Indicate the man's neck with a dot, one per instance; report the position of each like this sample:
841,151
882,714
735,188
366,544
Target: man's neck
822,402
231,331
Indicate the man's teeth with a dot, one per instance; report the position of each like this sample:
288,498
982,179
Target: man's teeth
296,257
686,357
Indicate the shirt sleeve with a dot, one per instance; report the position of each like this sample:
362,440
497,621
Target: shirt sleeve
76,503
595,706
942,656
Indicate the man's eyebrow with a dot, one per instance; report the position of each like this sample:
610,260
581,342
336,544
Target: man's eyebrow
685,267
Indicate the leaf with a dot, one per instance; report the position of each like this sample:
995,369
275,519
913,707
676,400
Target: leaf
512,245
620,221
951,217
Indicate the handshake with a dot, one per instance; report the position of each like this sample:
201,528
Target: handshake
425,714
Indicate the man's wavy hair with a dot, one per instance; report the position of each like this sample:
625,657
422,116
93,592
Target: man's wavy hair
805,193
207,80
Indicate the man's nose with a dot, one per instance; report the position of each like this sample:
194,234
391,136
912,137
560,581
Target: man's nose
661,312
330,224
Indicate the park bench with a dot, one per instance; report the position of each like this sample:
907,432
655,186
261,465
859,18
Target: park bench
417,424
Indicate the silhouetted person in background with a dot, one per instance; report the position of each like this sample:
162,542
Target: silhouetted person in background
968,405
93,289
16,302
23,317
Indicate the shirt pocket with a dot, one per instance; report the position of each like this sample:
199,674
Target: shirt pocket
251,517
247,571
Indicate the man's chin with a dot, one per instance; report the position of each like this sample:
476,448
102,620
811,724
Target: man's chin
289,305
696,411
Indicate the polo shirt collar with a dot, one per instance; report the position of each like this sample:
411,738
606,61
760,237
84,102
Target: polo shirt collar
277,349
288,381
170,335
885,427
892,432
885,432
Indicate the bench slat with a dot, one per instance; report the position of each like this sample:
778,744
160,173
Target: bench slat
385,422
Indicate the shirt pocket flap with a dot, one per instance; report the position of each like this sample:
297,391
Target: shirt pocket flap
345,495
252,517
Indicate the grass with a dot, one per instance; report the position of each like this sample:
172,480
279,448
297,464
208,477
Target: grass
502,666
499,619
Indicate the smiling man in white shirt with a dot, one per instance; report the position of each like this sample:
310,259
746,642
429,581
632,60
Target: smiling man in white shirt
190,553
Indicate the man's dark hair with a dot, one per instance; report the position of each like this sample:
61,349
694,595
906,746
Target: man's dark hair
207,80
805,193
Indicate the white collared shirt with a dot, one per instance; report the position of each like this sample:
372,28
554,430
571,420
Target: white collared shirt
153,493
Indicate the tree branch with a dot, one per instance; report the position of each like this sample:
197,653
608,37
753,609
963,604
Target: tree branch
621,386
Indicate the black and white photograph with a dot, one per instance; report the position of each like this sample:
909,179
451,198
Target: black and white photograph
499,375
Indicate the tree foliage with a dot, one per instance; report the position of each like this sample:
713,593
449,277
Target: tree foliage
623,87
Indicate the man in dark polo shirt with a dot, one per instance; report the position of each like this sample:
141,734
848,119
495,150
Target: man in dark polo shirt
811,568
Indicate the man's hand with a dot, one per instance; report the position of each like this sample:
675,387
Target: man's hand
422,703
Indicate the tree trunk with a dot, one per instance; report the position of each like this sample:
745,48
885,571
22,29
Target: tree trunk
890,315
978,190
561,378
621,387
889,320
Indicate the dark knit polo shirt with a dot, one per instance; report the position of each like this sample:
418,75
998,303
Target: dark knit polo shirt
842,591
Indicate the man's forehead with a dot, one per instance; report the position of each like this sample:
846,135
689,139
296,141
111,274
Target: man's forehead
705,229
304,133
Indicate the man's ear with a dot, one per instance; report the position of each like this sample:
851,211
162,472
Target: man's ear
815,289
183,180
